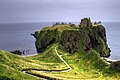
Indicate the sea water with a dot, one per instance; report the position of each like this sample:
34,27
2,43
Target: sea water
17,36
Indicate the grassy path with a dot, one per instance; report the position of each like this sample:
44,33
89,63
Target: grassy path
60,56
46,77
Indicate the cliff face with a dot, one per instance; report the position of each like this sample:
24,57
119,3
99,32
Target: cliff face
45,38
84,40
73,39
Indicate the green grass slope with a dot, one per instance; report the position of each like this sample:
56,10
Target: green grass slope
85,66
11,65
60,28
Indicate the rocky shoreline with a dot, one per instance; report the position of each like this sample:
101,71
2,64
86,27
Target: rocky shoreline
20,52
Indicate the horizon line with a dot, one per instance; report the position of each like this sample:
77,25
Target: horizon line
53,22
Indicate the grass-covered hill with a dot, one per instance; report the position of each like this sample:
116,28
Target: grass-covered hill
66,52
47,65
74,38
12,66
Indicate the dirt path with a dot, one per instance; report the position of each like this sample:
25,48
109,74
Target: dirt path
60,56
47,78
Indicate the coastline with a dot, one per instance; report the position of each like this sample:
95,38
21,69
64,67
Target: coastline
108,60
29,55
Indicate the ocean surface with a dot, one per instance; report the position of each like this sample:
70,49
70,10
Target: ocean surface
113,38
17,36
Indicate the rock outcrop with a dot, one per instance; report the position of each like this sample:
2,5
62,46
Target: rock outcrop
45,38
74,38
18,52
115,66
74,41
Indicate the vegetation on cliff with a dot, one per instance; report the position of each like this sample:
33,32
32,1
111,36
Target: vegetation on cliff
76,38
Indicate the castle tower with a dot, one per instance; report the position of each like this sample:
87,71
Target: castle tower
86,22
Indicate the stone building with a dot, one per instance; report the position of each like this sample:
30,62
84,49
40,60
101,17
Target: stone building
86,22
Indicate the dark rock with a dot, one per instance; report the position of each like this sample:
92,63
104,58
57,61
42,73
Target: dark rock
72,25
45,38
18,52
85,39
33,35
115,66
71,41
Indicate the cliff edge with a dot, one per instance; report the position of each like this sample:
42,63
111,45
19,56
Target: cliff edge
74,38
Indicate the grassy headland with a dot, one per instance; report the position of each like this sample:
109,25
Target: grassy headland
61,47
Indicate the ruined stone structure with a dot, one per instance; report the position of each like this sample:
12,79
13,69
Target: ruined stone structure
86,22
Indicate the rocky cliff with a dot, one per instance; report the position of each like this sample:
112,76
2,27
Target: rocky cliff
77,38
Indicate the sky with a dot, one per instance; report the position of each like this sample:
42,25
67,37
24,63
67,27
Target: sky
59,10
